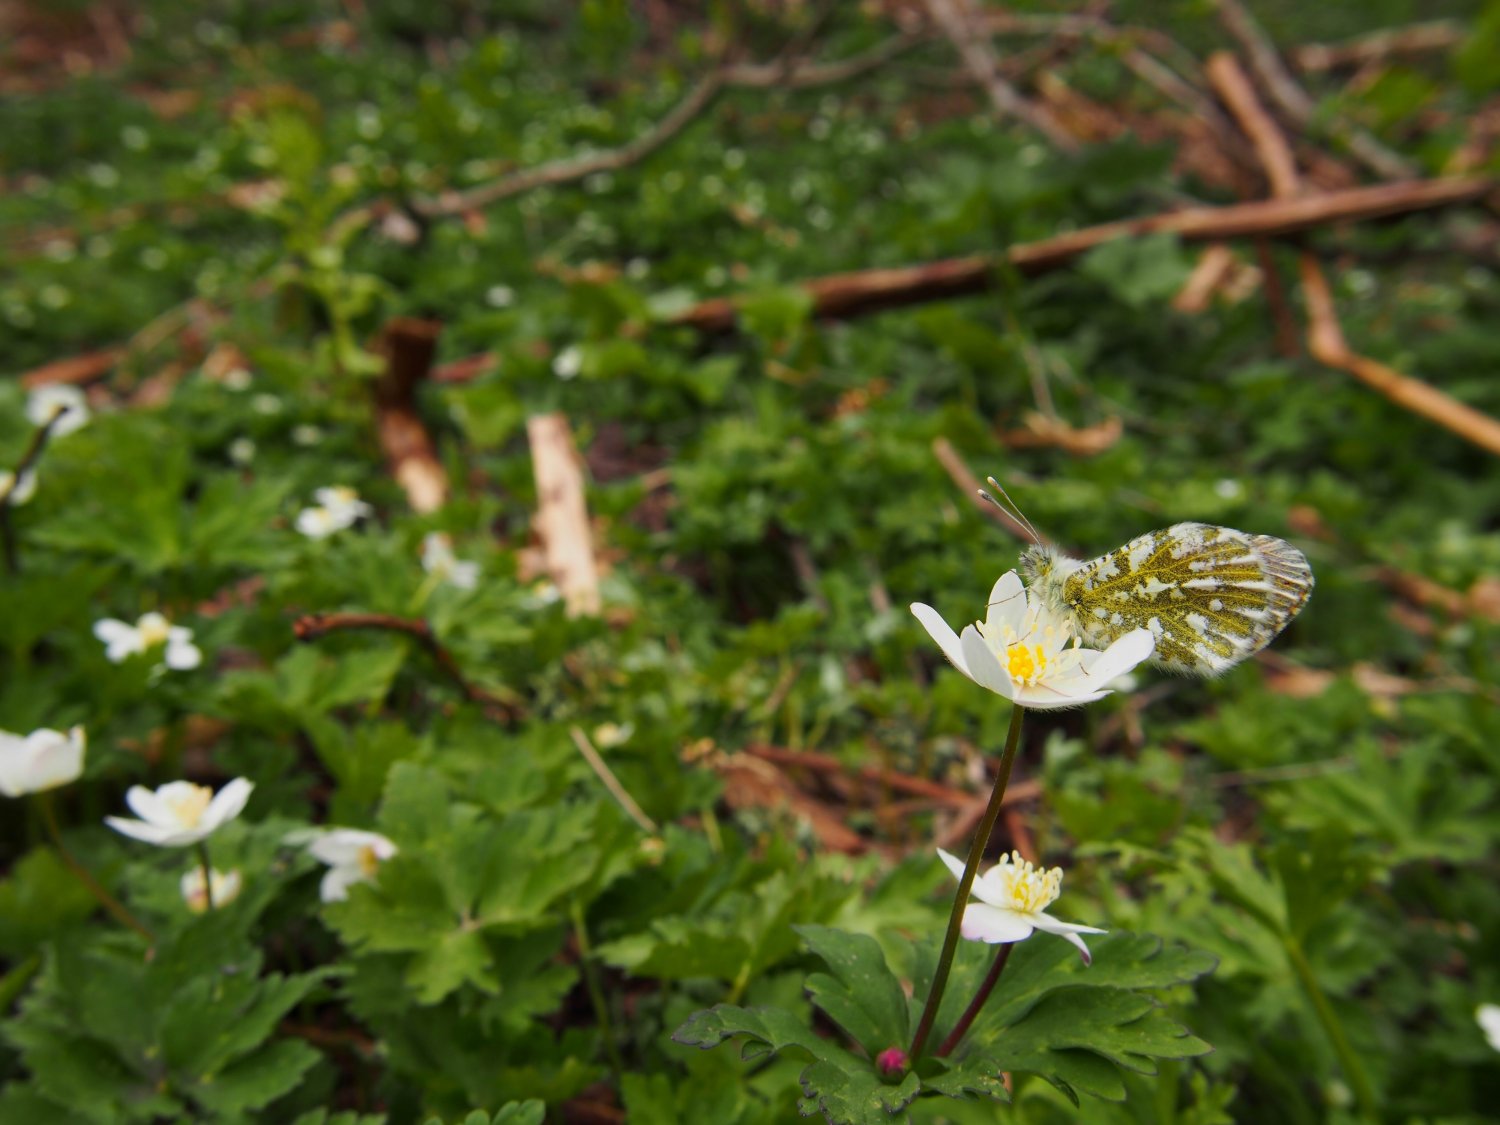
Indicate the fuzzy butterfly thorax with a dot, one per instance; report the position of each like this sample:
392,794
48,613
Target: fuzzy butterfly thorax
1210,596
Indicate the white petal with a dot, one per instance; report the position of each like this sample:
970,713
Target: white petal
182,656
1069,931
53,759
984,666
940,631
148,833
1050,696
227,804
341,846
120,640
952,863
1120,657
464,575
337,881
994,926
1007,605
150,807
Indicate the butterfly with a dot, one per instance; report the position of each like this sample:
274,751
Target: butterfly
1210,596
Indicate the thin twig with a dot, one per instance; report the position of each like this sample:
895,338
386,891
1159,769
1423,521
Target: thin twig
1377,46
962,476
1018,793
958,21
1296,103
314,625
611,782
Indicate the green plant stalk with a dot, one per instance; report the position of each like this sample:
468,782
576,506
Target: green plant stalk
965,885
1354,1071
208,874
976,1005
106,900
595,990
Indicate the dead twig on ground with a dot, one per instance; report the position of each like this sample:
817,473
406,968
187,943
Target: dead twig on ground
611,782
1379,46
409,345
903,783
968,483
965,31
562,518
847,295
314,625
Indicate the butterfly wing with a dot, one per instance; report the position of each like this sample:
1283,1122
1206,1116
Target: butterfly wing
1211,596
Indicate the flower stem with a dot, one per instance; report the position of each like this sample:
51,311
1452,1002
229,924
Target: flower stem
208,874
1354,1071
595,989
966,884
1002,955
106,900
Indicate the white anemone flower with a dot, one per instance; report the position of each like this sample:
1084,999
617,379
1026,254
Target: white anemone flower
16,492
1021,651
353,856
43,759
180,813
439,560
336,509
46,401
1488,1017
1013,899
122,641
226,887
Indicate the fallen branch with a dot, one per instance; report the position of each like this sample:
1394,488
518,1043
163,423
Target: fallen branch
1018,793
409,346
1325,335
847,295
562,517
696,102
969,484
1325,340
1299,107
960,24
1378,46
314,625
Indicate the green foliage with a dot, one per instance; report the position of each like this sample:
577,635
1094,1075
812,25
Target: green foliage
233,208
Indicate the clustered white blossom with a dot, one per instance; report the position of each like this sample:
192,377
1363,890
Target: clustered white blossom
180,813
439,560
1013,899
123,640
352,855
61,400
41,760
1021,651
337,508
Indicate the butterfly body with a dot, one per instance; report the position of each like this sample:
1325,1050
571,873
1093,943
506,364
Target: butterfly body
1210,596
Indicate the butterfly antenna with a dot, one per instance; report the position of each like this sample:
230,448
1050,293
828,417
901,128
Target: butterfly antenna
1011,509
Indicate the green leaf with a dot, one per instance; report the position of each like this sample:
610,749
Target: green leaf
39,898
1139,271
843,1087
256,1080
862,996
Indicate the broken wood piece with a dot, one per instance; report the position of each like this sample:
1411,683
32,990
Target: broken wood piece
1042,432
562,518
847,295
1378,46
1325,340
409,345
1213,268
962,476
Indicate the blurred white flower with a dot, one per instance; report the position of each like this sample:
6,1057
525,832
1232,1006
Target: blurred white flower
438,559
45,402
1020,651
1488,1016
353,856
238,379
122,641
43,759
568,362
226,887
499,296
1013,899
306,434
242,451
336,508
14,492
180,813
266,404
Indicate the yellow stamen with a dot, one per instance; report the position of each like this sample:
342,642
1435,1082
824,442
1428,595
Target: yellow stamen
188,808
1025,663
368,860
154,633
1031,889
